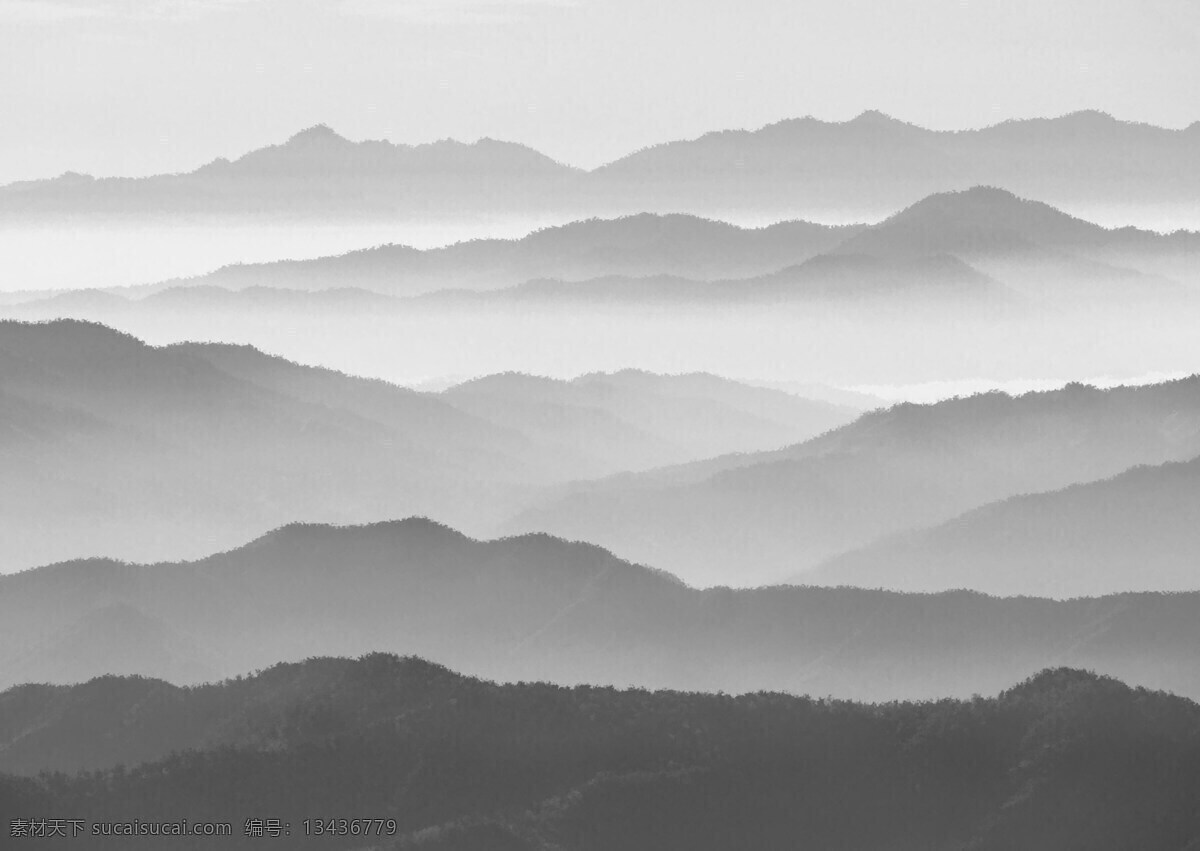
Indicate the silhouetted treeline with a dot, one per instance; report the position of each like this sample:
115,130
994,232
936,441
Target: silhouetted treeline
1066,759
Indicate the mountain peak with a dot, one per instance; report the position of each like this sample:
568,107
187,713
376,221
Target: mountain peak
994,192
74,177
873,116
392,532
979,220
1057,681
997,207
976,199
981,195
317,134
1089,116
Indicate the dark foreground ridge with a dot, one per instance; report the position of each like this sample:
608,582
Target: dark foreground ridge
540,608
1067,759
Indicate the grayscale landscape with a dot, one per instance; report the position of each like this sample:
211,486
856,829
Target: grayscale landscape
554,425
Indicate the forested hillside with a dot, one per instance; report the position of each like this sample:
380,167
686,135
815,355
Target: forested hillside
1064,760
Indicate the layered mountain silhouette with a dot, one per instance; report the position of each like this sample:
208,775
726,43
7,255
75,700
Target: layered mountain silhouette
859,168
447,762
747,519
1140,529
854,282
864,166
202,299
115,447
319,149
825,280
979,244
871,306
982,221
1033,246
315,173
634,418
1026,244
638,245
536,607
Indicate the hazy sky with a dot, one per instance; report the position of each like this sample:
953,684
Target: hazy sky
142,86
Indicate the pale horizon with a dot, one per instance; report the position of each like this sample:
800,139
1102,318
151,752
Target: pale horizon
159,87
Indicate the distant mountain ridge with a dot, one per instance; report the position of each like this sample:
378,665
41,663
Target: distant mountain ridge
890,471
950,243
536,607
980,225
978,221
1039,249
841,280
644,244
873,162
838,281
1138,529
315,173
111,446
624,414
320,147
797,167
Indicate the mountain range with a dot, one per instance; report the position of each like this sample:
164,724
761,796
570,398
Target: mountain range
317,173
840,282
539,608
804,167
1037,249
1138,529
979,242
634,419
837,281
638,245
993,229
434,760
900,469
1080,160
114,447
